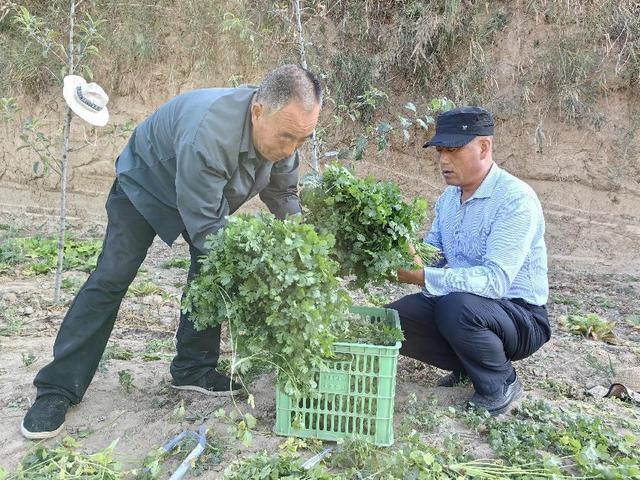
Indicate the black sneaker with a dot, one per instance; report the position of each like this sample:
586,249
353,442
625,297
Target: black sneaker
498,403
213,383
453,379
46,417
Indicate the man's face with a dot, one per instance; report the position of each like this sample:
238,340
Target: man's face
465,166
276,135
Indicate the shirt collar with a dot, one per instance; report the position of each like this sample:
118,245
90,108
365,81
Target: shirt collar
488,184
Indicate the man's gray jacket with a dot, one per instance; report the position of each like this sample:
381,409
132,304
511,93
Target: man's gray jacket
192,163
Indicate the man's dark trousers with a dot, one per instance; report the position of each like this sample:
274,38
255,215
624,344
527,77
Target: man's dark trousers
87,326
466,332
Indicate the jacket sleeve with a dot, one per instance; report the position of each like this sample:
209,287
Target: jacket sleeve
508,247
281,194
199,193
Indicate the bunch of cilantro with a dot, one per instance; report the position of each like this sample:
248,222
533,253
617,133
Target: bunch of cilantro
275,285
372,224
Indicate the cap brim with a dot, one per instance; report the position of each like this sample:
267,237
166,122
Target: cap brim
99,119
449,140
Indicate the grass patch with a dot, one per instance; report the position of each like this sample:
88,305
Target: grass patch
421,415
65,460
560,388
10,323
179,262
125,379
143,288
28,359
590,325
560,299
71,284
157,349
40,254
116,352
553,438
569,73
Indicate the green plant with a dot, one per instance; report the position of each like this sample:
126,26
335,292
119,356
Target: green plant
361,330
179,412
559,388
593,446
566,300
143,288
40,253
10,323
381,133
604,368
240,427
372,224
8,109
377,299
590,325
64,461
11,253
157,349
125,379
413,458
262,466
28,359
183,262
421,415
256,369
116,352
274,283
71,284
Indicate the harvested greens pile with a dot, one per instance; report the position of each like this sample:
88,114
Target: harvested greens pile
361,330
274,283
371,223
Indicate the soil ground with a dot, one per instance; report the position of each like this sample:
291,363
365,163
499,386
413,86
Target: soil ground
145,418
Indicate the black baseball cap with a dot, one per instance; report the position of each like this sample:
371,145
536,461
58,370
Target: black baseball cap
459,126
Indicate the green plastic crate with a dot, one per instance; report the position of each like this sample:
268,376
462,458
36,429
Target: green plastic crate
354,397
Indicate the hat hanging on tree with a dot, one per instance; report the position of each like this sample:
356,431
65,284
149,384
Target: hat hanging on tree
87,100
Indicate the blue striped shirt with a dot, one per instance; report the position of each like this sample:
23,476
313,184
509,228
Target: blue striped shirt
492,243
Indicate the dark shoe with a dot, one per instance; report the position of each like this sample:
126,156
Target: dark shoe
45,418
453,379
213,383
498,403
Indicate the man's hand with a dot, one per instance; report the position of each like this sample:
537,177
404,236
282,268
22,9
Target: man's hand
416,257
415,277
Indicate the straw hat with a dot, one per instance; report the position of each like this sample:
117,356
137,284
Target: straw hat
87,100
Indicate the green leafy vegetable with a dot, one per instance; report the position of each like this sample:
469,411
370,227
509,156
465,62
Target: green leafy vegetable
372,224
274,283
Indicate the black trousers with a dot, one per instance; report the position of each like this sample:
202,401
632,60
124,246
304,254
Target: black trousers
465,332
87,325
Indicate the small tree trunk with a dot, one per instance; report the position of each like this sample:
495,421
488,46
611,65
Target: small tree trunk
303,62
68,116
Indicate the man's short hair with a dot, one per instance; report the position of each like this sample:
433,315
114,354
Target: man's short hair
287,83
